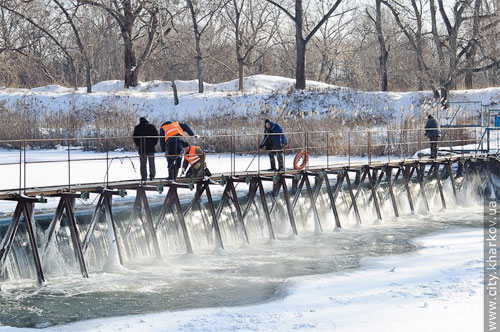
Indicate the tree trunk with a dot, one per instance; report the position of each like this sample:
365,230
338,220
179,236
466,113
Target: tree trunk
241,74
130,64
384,54
174,89
88,76
470,55
197,39
300,69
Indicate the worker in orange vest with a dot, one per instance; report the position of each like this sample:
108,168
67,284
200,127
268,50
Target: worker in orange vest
194,156
173,144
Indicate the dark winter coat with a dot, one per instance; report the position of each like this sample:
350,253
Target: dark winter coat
144,128
432,128
164,144
277,141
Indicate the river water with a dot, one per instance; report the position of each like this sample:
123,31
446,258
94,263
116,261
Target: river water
240,274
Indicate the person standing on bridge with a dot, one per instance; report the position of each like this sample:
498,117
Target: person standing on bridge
274,141
433,133
173,144
194,156
145,139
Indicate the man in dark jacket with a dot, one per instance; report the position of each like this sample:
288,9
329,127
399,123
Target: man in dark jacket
433,133
173,144
146,146
274,141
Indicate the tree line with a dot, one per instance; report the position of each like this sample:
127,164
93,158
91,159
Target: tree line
436,45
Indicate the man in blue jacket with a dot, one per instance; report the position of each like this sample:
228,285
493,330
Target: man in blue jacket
274,141
173,144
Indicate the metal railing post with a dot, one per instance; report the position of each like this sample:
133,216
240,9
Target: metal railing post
20,166
349,148
368,143
24,161
69,167
327,150
107,162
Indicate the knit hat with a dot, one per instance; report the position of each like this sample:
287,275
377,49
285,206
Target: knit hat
267,121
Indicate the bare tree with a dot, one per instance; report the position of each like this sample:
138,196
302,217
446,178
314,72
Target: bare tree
127,13
248,19
300,40
202,15
384,50
70,17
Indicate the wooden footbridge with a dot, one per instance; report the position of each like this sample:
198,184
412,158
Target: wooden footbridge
457,167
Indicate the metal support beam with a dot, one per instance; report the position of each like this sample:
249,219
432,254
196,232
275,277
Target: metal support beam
406,182
313,202
440,186
263,200
391,190
75,236
288,204
149,221
332,198
353,199
215,223
421,183
175,199
374,195
452,180
232,191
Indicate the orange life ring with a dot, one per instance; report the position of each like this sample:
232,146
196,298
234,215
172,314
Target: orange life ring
302,155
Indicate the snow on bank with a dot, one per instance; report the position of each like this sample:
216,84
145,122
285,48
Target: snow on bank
437,288
269,94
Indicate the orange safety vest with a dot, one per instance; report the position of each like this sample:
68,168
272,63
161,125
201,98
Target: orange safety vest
172,129
191,156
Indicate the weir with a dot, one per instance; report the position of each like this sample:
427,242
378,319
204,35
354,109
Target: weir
347,186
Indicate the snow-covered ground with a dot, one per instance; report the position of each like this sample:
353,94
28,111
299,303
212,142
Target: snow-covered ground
437,288
269,94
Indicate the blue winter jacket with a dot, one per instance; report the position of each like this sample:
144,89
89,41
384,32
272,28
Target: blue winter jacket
276,140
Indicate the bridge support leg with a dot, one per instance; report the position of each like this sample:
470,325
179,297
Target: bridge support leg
263,200
149,220
452,180
289,206
406,181
333,197
8,239
437,175
96,216
420,179
215,223
391,190
374,194
232,190
360,180
353,199
175,198
24,207
108,211
317,223
75,236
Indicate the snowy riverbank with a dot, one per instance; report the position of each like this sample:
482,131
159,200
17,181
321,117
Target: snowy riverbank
263,94
436,288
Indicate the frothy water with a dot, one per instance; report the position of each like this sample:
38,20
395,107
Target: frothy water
241,274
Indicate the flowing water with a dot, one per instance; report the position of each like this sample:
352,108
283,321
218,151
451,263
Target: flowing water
240,274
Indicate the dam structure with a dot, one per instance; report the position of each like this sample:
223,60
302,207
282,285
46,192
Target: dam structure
349,177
